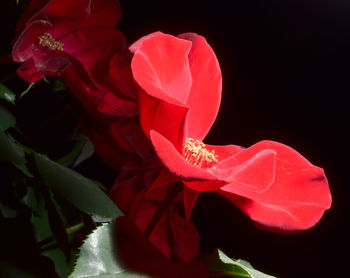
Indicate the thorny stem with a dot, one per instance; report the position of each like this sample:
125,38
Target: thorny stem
173,191
70,230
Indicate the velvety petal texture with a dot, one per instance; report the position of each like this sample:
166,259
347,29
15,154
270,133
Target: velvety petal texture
182,71
179,94
295,200
205,95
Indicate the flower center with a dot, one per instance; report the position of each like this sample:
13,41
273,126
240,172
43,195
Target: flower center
46,40
198,155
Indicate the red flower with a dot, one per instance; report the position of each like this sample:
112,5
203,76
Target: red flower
179,94
172,234
78,40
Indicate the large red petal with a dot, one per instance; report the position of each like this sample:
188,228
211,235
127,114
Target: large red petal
296,199
205,95
247,171
160,66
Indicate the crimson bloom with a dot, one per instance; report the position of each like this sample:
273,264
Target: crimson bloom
172,234
179,95
78,40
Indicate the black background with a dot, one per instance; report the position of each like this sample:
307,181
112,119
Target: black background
285,67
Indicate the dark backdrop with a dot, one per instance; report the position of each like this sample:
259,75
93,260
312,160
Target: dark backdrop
285,67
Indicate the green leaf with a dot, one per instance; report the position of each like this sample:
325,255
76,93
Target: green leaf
7,120
13,271
62,268
75,188
220,264
9,150
59,86
39,218
45,233
98,258
86,150
7,94
82,150
57,225
6,211
12,152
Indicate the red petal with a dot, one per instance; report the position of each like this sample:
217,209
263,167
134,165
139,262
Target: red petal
160,66
79,9
205,95
190,198
248,172
182,241
175,162
128,134
136,45
104,13
159,187
114,106
22,50
120,75
186,238
138,254
163,117
296,199
28,72
224,152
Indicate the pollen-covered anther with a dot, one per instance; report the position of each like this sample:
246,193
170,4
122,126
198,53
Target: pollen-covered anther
46,40
198,155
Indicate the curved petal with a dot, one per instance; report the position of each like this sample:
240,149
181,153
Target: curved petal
248,172
296,199
186,238
120,75
175,162
166,118
160,67
136,45
22,50
28,72
205,95
225,151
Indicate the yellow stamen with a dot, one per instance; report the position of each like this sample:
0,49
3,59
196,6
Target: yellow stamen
198,155
46,40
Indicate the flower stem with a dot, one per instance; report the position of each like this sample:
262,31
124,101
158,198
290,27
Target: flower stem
173,191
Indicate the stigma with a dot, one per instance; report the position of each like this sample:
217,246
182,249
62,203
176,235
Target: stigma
46,40
198,155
